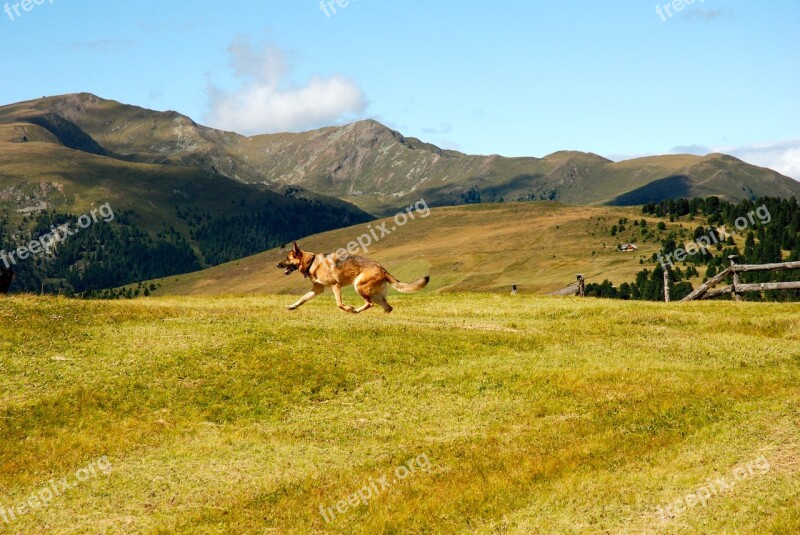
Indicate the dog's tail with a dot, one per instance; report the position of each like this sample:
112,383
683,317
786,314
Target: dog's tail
407,288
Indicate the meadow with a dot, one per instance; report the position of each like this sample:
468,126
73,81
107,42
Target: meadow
523,414
540,246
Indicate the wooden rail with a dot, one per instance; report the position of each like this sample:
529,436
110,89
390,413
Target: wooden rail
781,266
756,287
737,288
698,293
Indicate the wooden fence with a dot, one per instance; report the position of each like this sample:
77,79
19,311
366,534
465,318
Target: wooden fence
738,288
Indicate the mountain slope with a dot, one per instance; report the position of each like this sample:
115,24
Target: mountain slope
132,133
381,170
171,218
214,196
539,246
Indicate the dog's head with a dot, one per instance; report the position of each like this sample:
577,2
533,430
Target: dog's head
293,261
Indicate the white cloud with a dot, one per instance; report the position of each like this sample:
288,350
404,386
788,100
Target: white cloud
699,150
708,15
782,156
443,128
103,45
267,101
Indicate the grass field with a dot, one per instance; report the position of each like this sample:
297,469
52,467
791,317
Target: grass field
519,415
539,246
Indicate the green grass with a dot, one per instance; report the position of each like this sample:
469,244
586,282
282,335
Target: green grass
539,246
545,415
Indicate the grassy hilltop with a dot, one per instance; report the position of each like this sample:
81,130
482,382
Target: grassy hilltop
537,415
539,246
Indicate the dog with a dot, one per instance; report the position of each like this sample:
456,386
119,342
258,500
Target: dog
368,277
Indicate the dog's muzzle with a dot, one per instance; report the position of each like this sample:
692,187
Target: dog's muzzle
289,268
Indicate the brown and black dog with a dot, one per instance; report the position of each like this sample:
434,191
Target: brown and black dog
367,276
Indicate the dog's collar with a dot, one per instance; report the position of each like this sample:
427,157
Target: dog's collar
308,270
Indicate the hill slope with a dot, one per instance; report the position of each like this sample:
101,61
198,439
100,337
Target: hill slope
539,246
517,415
379,169
179,216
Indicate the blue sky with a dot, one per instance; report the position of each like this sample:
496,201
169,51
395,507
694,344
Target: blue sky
512,77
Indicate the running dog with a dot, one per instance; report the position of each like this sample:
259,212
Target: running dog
367,276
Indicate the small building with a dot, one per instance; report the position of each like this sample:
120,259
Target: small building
628,247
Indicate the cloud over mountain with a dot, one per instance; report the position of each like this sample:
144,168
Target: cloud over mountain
782,156
268,102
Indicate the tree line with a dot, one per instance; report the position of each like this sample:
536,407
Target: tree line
121,252
777,240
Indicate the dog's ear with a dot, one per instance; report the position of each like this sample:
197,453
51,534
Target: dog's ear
296,249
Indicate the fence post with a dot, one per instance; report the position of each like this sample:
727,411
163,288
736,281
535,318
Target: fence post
581,286
737,296
666,285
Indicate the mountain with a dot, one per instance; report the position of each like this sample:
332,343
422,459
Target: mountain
190,196
171,216
380,170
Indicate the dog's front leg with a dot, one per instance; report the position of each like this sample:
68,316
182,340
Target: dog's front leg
318,289
337,291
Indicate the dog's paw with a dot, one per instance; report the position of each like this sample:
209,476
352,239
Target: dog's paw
291,307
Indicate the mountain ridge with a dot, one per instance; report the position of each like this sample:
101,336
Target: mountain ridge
174,214
380,170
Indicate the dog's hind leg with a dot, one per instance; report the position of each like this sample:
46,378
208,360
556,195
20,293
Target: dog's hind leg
367,300
366,288
318,289
366,306
337,292
380,298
